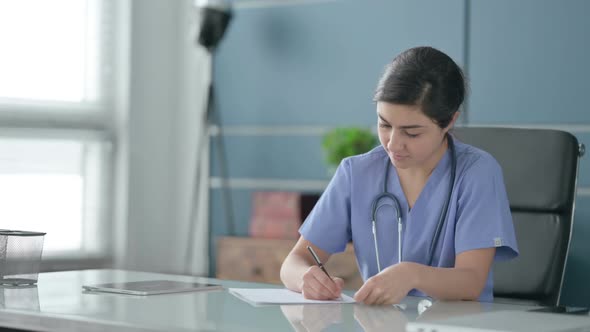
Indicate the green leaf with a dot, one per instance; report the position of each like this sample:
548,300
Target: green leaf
343,142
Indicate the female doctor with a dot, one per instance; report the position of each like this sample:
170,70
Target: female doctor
426,213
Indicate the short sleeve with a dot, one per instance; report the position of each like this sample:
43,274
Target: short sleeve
483,214
328,224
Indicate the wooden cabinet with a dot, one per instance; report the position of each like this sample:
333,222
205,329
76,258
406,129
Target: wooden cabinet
259,260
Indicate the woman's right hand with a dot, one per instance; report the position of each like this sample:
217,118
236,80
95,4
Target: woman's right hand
316,285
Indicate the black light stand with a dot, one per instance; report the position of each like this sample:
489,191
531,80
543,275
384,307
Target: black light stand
214,19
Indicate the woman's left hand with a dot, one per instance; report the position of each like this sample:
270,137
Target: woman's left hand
390,286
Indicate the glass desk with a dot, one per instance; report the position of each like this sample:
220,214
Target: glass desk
58,303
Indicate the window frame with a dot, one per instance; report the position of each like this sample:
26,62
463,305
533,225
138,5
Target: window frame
98,121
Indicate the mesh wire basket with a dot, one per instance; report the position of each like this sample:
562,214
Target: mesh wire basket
20,257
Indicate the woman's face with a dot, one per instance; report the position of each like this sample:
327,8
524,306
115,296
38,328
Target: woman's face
411,139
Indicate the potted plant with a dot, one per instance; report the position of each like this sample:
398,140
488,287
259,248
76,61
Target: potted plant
343,142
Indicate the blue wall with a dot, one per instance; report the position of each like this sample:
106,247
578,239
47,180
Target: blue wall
309,67
528,64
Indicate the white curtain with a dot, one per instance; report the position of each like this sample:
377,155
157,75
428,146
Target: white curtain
168,85
194,139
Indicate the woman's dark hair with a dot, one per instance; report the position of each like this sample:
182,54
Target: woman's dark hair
425,77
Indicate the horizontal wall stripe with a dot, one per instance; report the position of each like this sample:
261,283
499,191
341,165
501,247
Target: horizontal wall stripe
271,184
283,130
572,128
261,4
299,185
271,130
56,133
288,153
295,151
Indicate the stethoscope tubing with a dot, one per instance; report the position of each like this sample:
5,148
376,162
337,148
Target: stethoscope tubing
397,207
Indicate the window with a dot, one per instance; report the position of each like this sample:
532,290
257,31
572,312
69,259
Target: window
50,50
56,120
53,185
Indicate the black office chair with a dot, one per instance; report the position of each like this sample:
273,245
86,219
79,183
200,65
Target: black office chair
540,171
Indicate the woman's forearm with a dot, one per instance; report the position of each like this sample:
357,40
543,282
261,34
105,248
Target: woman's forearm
448,283
292,271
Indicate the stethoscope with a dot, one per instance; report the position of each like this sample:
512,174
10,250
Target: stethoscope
396,206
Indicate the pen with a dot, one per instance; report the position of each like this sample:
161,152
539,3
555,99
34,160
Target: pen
317,260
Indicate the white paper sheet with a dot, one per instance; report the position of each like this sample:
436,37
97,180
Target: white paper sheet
266,296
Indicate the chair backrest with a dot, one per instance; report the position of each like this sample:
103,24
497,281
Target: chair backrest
540,168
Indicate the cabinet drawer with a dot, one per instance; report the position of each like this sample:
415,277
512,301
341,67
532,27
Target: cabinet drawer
259,260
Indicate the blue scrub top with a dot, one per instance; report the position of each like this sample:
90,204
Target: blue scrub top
478,215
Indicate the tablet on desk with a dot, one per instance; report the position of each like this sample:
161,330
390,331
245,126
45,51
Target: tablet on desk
151,287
